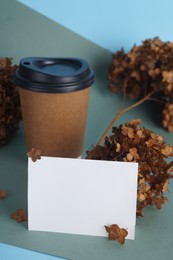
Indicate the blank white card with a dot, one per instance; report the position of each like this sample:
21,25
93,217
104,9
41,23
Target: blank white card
79,196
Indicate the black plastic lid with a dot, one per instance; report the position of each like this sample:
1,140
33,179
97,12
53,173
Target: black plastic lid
54,75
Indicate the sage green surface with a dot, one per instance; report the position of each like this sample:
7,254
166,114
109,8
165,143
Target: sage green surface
27,33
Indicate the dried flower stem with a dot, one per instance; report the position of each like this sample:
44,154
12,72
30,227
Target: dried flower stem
121,112
157,100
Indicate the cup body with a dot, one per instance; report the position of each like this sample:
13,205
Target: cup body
54,121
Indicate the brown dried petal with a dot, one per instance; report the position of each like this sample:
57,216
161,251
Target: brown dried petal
128,131
19,219
123,232
113,231
129,157
14,215
118,147
121,240
167,150
141,197
135,122
2,194
21,212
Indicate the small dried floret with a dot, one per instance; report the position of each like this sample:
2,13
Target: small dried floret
128,131
167,150
133,154
116,233
143,191
168,116
167,76
2,194
134,122
118,147
20,215
159,201
140,133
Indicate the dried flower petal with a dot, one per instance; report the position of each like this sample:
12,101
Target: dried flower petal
128,131
167,150
135,122
2,194
118,147
159,202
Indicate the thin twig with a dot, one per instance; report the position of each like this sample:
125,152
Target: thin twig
122,112
157,100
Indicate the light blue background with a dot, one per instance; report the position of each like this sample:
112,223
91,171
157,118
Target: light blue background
12,252
112,24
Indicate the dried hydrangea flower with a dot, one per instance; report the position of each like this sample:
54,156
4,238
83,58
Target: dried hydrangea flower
10,110
20,215
146,148
116,233
146,70
2,194
34,154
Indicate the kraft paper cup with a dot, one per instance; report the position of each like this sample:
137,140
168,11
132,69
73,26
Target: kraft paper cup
54,95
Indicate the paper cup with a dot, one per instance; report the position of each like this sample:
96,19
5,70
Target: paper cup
54,95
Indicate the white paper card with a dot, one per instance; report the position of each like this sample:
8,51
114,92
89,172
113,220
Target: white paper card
80,196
